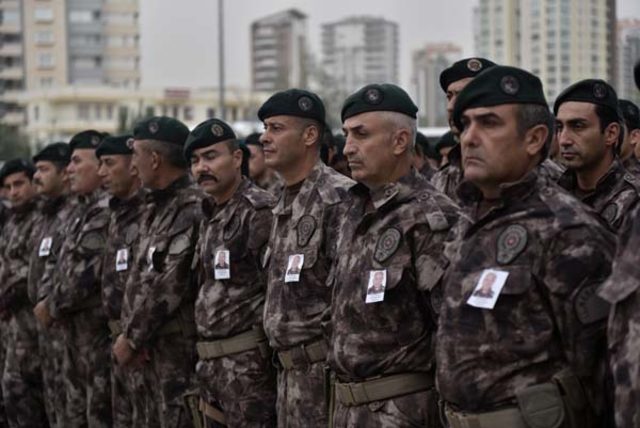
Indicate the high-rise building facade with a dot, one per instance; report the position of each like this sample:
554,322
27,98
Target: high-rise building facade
358,51
279,51
561,41
628,55
428,63
12,73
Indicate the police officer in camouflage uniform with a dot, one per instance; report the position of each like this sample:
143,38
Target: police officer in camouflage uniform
589,130
158,328
304,229
120,179
529,353
630,148
22,386
75,301
234,368
390,260
51,181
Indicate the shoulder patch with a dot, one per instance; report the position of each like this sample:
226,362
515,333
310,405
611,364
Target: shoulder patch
333,186
610,213
93,241
180,244
589,306
259,198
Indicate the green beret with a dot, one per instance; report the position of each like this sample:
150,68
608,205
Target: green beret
636,73
630,113
594,91
253,139
446,140
208,133
86,140
119,145
16,165
161,128
499,85
56,152
468,67
293,102
378,97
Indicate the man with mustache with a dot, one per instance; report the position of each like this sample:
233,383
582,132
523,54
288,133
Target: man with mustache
126,205
74,300
589,130
393,232
52,184
22,387
234,368
533,355
158,328
305,223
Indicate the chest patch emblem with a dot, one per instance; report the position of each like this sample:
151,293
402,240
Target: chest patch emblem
306,226
511,242
387,244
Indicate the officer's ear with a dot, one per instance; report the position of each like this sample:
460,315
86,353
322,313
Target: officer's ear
155,160
535,139
612,134
401,141
311,134
634,137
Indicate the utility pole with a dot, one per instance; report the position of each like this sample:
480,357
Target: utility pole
222,111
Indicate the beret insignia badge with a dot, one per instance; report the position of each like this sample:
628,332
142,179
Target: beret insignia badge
217,130
305,103
474,65
509,85
373,96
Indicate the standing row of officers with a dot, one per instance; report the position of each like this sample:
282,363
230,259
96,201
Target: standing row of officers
146,281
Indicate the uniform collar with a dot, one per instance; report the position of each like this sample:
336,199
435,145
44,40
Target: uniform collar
160,195
606,183
314,180
469,194
214,212
398,191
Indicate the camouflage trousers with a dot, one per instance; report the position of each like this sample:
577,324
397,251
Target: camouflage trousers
414,410
127,398
4,326
22,386
167,377
86,368
51,351
244,385
301,397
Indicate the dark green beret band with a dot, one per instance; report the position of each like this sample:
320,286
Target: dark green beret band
630,113
86,140
293,102
14,166
161,128
594,91
207,133
379,97
56,152
499,85
468,67
119,145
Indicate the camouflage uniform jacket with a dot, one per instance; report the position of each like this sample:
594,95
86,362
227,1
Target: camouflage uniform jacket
124,232
401,229
547,317
632,164
272,184
295,311
448,178
615,195
427,171
227,307
76,278
551,170
18,240
160,286
52,217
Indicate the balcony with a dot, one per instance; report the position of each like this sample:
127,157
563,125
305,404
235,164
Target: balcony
12,73
11,49
13,118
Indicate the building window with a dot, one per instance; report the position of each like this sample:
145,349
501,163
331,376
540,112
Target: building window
109,111
188,113
43,14
81,16
36,113
44,37
211,113
45,60
98,109
10,17
46,82
83,111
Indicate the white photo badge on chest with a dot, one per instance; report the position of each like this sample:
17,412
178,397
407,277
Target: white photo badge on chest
376,286
122,259
294,268
486,292
221,267
45,246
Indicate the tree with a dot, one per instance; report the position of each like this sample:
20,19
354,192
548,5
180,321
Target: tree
13,144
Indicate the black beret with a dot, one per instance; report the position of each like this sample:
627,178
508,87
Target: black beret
56,152
468,67
293,102
422,140
254,139
119,145
447,140
246,154
209,132
499,85
636,72
86,140
594,91
630,113
379,97
16,165
161,128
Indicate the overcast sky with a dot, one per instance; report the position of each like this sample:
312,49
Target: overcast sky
180,47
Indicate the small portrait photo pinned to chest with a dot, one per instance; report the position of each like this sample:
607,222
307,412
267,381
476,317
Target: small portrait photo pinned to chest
45,247
376,286
294,267
221,269
122,259
486,292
